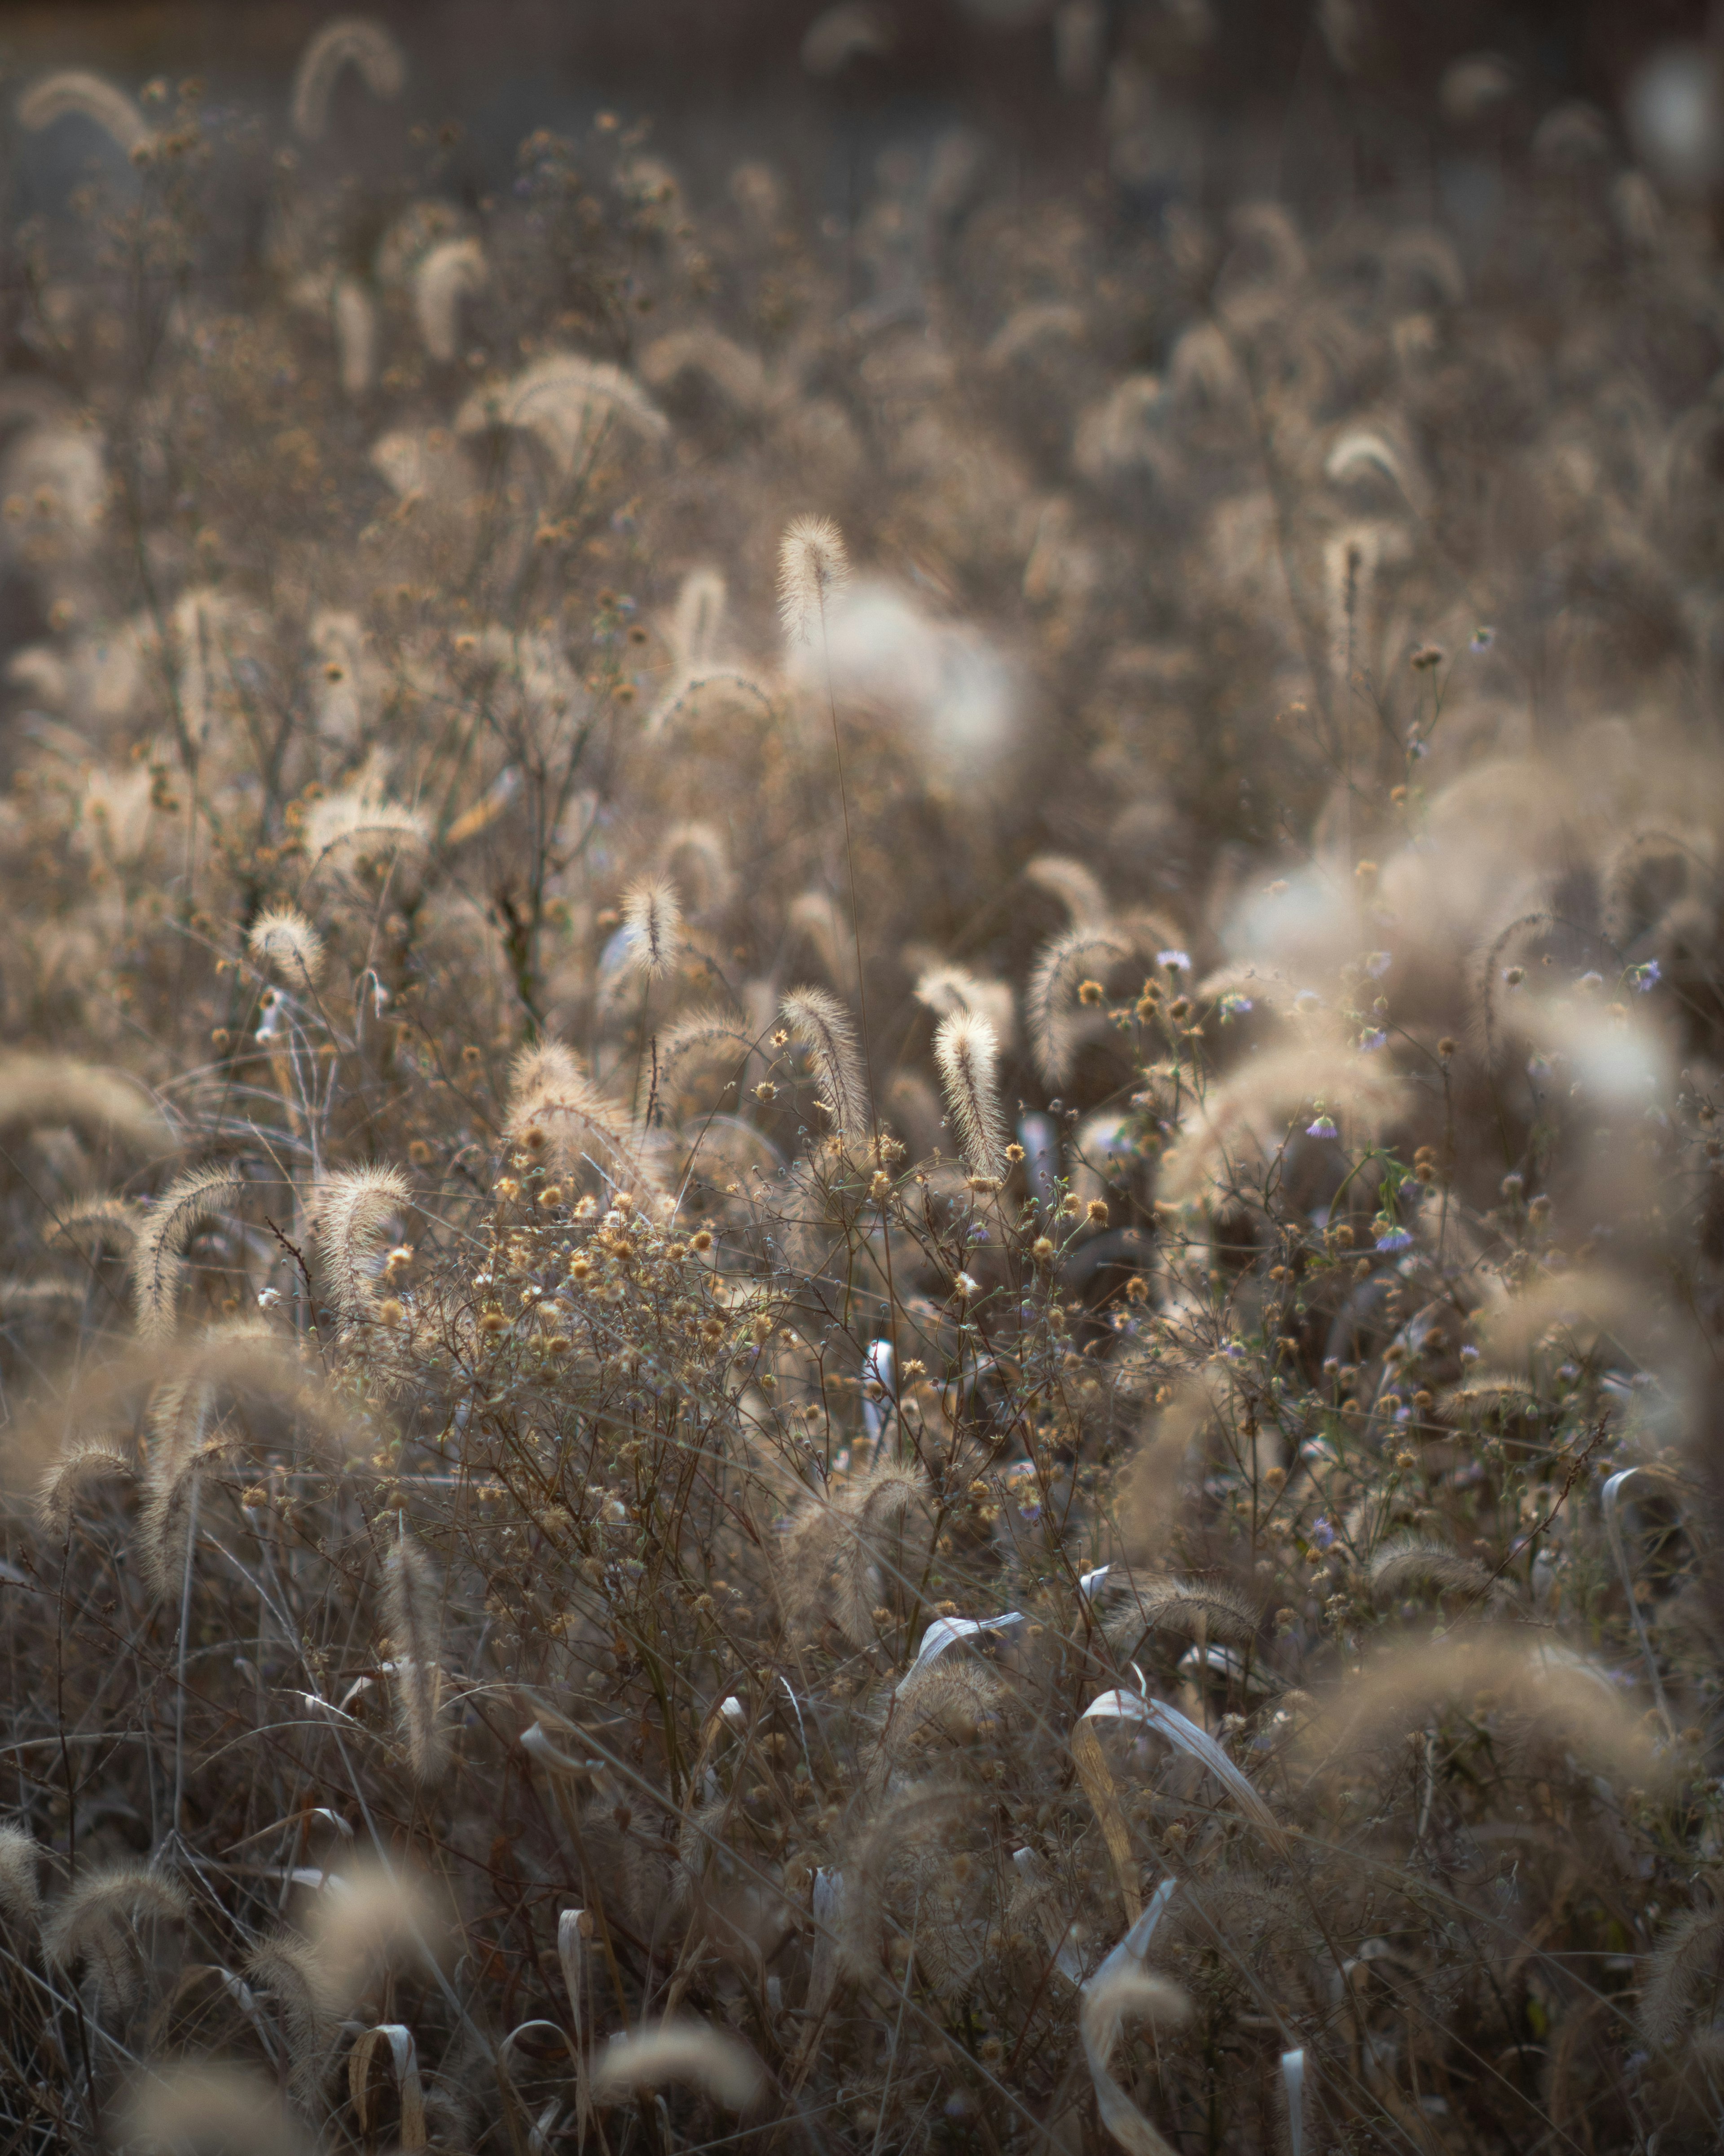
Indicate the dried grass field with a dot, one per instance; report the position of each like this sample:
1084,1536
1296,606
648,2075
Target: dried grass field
861,1046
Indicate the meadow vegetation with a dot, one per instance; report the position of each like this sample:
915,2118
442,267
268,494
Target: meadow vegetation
861,1158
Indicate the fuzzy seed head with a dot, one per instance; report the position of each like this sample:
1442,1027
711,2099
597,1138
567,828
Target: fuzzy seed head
652,924
284,939
813,569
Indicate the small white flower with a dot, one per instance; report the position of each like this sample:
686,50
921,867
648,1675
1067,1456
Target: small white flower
965,1286
269,1297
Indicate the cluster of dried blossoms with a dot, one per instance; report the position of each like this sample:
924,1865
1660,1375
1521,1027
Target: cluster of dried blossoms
939,1383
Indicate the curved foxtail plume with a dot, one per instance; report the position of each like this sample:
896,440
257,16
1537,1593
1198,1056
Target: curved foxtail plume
82,1462
1399,1691
833,1555
252,1366
453,270
412,1609
38,1301
921,1814
812,914
1053,1027
1271,228
950,990
57,1089
95,1225
682,2051
967,1050
96,1924
1493,1394
384,1919
709,692
1682,1977
696,629
1190,1606
820,1023
284,939
210,2104
353,319
652,928
1032,329
1253,1112
187,1430
813,569
1647,870
74,91
1409,1564
20,1893
295,1995
739,376
696,859
1362,453
348,1214
566,403
558,1115
355,41
704,1033
158,1261
358,819
704,685
1074,886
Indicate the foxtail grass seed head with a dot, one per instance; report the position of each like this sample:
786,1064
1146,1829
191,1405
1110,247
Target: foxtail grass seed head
813,569
652,923
412,1609
967,1050
355,41
72,91
819,1024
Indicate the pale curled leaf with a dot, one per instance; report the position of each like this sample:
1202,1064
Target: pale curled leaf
1196,1743
1120,1985
404,2073
1293,2081
1618,1550
543,1745
570,1939
828,1909
946,1631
